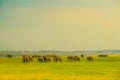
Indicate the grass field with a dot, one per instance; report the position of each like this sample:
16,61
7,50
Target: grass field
102,68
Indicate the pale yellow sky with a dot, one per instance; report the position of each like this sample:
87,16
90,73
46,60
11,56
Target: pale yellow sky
61,27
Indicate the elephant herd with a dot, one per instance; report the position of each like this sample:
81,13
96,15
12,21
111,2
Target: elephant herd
55,58
73,58
77,58
44,58
50,58
27,58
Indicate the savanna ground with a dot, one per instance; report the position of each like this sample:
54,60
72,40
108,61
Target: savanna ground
102,68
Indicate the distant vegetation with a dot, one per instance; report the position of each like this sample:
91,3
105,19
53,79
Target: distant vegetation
86,52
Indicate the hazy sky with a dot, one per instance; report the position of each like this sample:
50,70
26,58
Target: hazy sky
59,24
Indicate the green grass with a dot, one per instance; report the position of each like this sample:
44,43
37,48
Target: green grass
102,68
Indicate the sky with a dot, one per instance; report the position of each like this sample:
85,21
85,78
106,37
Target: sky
59,24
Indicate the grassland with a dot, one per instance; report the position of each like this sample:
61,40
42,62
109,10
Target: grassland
102,68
